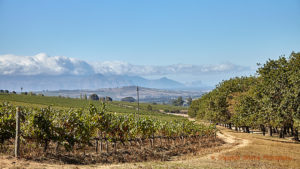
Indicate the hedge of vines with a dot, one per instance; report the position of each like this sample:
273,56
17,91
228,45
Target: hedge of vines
83,126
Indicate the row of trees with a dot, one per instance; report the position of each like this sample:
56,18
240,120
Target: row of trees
269,101
23,93
180,101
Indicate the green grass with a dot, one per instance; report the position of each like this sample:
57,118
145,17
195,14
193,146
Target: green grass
67,103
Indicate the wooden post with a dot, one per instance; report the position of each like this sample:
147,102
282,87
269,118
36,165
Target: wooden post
17,140
138,101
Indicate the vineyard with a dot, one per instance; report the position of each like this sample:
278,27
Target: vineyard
38,101
93,135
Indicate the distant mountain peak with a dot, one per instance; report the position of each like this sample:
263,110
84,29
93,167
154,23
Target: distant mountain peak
73,82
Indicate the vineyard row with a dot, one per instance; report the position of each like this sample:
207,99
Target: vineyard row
81,127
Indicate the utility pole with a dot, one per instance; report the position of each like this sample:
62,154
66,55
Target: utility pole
138,100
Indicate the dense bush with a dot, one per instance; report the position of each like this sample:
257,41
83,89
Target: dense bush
93,97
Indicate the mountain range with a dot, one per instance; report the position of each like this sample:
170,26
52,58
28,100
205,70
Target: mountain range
91,82
145,94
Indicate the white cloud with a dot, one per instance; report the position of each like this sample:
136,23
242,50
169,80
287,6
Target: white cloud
42,64
126,68
56,65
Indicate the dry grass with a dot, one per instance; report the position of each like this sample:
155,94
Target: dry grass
263,152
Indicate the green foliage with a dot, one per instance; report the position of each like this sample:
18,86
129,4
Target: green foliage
66,103
93,97
80,126
271,99
7,122
149,107
178,102
189,101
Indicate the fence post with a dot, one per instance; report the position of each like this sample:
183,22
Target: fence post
17,140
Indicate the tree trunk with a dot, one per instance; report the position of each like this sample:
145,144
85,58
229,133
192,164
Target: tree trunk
270,131
96,148
115,146
263,129
57,147
160,141
107,150
247,129
281,135
296,135
101,142
286,130
46,145
230,127
275,130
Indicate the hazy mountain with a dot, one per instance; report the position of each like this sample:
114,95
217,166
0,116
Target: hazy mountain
72,82
146,94
197,85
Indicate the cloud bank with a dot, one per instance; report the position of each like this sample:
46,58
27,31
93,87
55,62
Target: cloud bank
42,64
58,65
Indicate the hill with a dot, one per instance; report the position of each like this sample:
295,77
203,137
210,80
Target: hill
73,82
146,94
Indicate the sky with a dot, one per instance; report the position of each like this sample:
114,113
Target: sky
187,40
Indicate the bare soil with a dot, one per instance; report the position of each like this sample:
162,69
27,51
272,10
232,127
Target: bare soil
124,153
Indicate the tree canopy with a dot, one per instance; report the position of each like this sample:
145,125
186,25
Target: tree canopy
271,99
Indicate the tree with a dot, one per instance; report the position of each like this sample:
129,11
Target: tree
108,99
149,107
189,101
102,99
245,112
94,97
271,99
274,83
178,102
128,99
292,94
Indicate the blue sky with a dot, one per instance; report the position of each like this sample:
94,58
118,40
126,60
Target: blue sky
156,32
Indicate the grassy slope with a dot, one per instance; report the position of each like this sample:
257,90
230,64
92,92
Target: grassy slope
66,103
